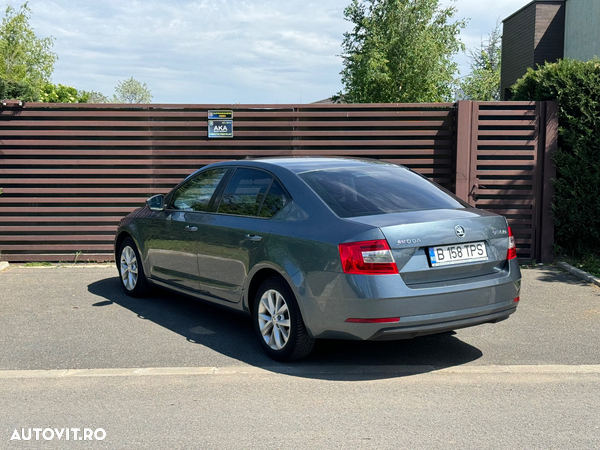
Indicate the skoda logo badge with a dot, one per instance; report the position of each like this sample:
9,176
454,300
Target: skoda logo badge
460,231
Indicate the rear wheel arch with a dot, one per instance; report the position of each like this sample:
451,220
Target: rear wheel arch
278,321
257,280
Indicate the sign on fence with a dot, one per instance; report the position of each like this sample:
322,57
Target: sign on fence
220,124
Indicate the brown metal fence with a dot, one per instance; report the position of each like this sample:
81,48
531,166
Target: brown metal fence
70,172
504,165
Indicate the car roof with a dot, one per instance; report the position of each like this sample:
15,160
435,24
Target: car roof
308,164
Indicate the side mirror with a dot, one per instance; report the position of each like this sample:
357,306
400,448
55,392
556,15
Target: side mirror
156,203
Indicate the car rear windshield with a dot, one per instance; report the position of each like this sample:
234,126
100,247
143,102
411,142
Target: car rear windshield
377,189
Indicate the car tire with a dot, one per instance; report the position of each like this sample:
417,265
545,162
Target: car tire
131,271
278,322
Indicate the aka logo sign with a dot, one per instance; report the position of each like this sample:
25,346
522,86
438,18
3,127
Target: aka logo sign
220,128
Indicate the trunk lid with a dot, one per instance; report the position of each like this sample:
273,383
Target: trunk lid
413,235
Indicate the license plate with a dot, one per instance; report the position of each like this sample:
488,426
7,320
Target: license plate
457,254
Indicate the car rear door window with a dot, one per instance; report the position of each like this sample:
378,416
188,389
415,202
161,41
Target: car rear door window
196,194
245,192
252,193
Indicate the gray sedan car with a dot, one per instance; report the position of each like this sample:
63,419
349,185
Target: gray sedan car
323,248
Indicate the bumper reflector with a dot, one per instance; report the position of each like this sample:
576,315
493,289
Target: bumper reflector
517,299
386,320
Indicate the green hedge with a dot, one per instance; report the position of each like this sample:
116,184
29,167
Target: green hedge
576,87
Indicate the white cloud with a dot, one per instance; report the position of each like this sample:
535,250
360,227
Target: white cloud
216,51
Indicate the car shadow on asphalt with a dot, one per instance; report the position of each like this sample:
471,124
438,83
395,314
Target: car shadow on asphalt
551,274
232,335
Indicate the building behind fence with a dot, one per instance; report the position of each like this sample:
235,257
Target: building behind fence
70,172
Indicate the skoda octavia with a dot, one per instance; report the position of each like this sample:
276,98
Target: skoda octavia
323,248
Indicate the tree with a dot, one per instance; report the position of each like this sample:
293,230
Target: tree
399,51
483,83
97,97
60,93
24,58
132,91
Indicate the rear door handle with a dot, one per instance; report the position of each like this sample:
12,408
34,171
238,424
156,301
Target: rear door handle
253,238
188,228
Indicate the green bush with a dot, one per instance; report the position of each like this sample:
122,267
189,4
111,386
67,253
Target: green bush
576,87
13,90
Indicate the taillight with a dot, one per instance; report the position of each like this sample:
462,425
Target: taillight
368,258
512,248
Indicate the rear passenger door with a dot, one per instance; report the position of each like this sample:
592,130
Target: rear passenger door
232,236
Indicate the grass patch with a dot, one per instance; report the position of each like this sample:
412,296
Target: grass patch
589,264
37,264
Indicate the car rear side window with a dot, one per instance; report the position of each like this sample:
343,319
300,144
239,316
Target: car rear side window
377,189
195,195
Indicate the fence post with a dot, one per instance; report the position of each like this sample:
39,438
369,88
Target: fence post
546,249
464,124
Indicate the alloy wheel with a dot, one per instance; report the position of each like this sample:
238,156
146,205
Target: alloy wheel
274,319
129,268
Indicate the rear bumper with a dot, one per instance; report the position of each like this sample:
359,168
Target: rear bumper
421,325
409,332
420,311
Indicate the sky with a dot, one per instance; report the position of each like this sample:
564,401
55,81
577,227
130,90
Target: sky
217,51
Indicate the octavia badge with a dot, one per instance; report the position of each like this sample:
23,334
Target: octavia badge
460,231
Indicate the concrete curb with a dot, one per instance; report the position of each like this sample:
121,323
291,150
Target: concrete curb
3,265
307,370
579,273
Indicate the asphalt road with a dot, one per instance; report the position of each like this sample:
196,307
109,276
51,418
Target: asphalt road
273,411
532,381
79,318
